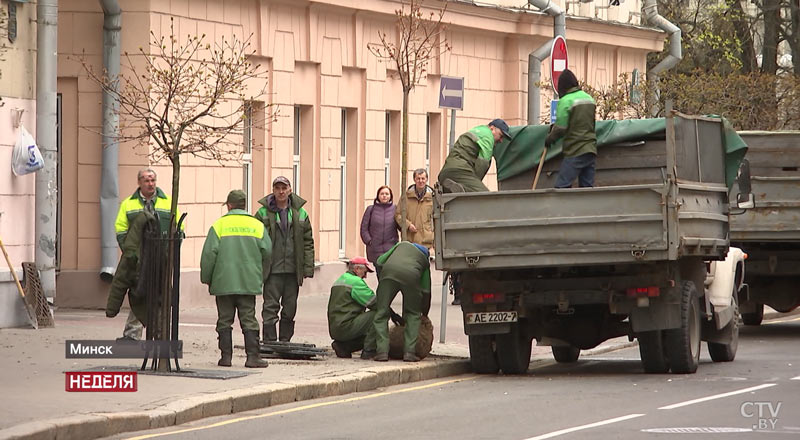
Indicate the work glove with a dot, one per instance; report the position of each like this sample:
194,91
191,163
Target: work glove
396,319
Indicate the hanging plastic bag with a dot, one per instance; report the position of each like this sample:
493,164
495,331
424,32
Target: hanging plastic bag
26,157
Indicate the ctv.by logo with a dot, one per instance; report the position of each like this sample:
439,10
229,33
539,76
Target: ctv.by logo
765,413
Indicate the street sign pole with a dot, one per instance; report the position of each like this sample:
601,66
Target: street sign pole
451,95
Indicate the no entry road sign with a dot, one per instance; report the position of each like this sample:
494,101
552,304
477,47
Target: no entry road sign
558,59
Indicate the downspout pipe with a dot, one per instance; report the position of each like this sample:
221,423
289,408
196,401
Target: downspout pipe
109,179
674,54
46,199
536,57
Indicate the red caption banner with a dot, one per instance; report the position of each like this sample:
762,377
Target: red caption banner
101,381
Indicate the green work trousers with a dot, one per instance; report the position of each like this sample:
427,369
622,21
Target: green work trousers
227,305
280,294
412,299
465,177
357,333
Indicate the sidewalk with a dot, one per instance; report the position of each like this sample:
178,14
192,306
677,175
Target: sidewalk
36,406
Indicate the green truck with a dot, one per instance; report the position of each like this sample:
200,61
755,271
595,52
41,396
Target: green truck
634,256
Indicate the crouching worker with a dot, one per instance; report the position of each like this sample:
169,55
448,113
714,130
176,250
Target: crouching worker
126,276
349,321
235,255
404,268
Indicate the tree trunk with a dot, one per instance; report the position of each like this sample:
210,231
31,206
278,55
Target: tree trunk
744,32
772,22
166,291
794,40
404,167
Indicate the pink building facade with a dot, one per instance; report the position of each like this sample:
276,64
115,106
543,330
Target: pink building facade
337,131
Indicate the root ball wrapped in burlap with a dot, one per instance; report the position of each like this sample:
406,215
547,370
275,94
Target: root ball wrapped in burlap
424,340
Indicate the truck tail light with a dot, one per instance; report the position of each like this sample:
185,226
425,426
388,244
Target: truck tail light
485,298
636,292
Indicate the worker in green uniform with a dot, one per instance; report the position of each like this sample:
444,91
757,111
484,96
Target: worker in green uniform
349,321
235,258
470,158
404,268
575,122
127,274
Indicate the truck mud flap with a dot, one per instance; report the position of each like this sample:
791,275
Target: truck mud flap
656,317
487,329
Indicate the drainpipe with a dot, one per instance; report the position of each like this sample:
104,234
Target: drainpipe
673,57
46,184
109,180
536,57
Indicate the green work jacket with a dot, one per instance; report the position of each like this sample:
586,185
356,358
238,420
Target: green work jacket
299,246
575,121
407,265
133,205
350,297
472,151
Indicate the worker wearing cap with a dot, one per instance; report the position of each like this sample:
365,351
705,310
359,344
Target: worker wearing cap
235,258
292,257
471,156
575,123
404,268
349,321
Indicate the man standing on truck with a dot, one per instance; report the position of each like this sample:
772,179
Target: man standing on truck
575,122
404,268
471,157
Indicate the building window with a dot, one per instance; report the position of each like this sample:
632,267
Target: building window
387,150
247,152
296,152
342,189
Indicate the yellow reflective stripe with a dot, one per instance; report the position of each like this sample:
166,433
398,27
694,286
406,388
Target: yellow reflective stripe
238,226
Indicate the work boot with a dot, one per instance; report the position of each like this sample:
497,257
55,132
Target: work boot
381,357
225,347
410,357
285,330
367,354
253,349
340,350
269,335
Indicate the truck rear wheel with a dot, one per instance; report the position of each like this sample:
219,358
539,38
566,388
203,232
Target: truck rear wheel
514,351
683,343
482,354
651,350
565,354
726,352
754,318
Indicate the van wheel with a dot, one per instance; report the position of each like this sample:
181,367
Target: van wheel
566,354
754,318
651,350
683,343
514,351
727,352
482,354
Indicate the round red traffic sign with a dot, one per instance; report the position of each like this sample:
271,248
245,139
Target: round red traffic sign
558,60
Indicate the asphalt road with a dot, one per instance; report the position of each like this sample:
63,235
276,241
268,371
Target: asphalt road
601,397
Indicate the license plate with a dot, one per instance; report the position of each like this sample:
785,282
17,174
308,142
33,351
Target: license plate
491,317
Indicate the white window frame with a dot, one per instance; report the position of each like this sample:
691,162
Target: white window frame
387,150
296,151
342,189
247,153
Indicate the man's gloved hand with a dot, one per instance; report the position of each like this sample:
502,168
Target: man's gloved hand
396,319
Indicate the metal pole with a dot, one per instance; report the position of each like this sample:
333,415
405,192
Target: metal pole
46,178
443,322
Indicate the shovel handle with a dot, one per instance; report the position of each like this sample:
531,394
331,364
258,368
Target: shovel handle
11,268
539,170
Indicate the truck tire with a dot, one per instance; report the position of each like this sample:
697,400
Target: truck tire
754,318
727,352
565,354
651,350
513,351
482,354
683,343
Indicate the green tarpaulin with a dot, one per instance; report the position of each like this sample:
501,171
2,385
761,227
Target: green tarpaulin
524,150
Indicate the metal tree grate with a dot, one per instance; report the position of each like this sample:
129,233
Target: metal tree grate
34,295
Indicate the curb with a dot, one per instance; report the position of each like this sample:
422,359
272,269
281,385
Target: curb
97,425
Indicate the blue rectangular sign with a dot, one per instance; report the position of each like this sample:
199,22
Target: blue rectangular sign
451,92
553,107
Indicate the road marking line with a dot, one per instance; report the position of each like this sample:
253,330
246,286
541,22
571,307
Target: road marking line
582,427
303,408
782,321
190,324
795,378
718,396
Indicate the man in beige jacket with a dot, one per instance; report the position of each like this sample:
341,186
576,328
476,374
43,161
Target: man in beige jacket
419,210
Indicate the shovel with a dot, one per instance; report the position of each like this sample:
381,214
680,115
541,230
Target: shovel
31,315
539,170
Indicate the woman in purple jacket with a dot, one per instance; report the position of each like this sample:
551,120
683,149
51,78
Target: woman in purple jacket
378,227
